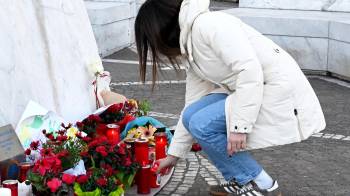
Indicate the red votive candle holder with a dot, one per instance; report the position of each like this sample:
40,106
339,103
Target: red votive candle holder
113,133
141,151
161,144
130,144
24,167
143,181
12,185
155,178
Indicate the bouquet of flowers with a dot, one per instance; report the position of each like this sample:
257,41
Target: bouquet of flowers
120,114
110,168
58,154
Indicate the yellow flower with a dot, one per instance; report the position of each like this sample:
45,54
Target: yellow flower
71,132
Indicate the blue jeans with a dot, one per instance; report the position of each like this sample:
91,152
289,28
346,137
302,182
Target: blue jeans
205,120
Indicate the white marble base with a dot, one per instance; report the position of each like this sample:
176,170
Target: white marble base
112,22
310,53
317,40
325,5
46,49
339,58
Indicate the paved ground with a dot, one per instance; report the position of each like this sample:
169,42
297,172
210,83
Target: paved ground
318,166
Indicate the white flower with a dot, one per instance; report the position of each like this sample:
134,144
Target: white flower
95,67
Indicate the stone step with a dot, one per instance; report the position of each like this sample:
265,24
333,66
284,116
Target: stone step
317,40
112,23
324,5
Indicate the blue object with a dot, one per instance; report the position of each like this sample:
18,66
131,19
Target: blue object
142,121
206,121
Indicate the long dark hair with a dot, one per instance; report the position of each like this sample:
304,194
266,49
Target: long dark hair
157,34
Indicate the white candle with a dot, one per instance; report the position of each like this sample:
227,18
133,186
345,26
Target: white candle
5,192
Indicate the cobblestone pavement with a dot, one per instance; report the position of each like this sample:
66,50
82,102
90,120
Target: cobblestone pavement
318,166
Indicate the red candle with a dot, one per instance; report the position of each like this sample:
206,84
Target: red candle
24,167
113,133
12,185
130,144
143,181
155,178
141,151
161,144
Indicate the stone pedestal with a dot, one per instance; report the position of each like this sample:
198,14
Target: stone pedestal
113,23
46,49
319,5
314,32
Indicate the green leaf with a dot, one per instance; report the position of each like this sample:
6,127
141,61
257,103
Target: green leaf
117,192
79,192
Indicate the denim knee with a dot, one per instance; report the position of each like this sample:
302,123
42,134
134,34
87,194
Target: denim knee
196,128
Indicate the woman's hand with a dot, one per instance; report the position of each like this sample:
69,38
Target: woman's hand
167,162
236,142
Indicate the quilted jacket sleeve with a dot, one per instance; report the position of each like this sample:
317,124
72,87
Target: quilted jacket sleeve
195,89
225,36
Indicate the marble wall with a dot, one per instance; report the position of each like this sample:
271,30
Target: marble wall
325,5
45,51
319,41
113,23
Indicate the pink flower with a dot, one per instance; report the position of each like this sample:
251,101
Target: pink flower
54,184
68,179
82,179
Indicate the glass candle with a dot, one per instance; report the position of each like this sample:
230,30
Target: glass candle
5,192
24,167
155,178
12,185
161,144
130,144
113,133
141,151
143,180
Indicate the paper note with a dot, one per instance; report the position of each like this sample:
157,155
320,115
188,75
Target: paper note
10,146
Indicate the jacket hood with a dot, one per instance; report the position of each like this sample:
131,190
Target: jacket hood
190,10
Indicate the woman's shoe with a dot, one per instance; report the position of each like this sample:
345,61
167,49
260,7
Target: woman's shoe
251,189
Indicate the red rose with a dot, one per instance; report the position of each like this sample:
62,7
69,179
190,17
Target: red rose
127,162
80,125
54,184
63,153
94,118
102,151
62,138
115,108
196,147
101,129
82,179
84,154
46,152
127,118
79,135
108,169
27,152
121,150
34,145
68,179
86,139
62,132
101,182
50,137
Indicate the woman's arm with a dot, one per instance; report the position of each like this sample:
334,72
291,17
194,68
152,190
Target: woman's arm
195,89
